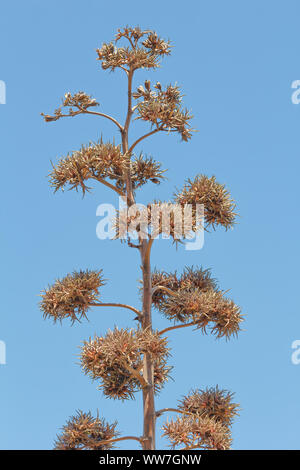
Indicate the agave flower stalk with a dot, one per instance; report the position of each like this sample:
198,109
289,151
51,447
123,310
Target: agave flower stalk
128,361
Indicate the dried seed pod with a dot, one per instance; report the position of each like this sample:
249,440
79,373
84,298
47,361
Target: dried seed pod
164,110
100,161
84,432
80,101
71,296
134,55
197,432
218,205
212,402
117,360
207,308
191,278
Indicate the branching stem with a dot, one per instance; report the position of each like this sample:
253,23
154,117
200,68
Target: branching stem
176,327
111,304
124,438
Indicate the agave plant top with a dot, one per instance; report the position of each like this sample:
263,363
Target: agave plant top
129,360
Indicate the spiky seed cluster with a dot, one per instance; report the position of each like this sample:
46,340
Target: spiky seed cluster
218,205
197,432
211,402
84,432
157,218
117,360
163,109
102,161
135,55
144,169
191,278
71,296
80,101
206,309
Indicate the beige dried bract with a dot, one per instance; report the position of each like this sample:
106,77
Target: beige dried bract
218,205
71,296
212,402
197,432
117,360
84,432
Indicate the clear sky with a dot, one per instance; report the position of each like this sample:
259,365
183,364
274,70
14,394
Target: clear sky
236,62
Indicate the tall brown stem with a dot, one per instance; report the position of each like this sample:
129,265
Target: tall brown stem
148,392
148,442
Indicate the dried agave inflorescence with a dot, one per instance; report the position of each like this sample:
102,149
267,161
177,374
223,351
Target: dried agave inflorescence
71,296
202,309
84,432
129,360
80,101
136,55
197,432
211,402
95,161
144,169
191,278
163,109
218,205
117,360
100,161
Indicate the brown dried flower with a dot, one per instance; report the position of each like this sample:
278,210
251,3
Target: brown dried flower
117,360
71,296
84,432
100,161
95,161
197,432
191,278
80,101
134,55
204,308
163,109
211,402
218,205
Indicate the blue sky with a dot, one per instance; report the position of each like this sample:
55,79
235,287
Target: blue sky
236,62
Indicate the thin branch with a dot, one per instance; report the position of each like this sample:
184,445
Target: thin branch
124,438
129,39
109,185
142,138
176,327
110,304
175,410
83,110
165,410
123,68
132,245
